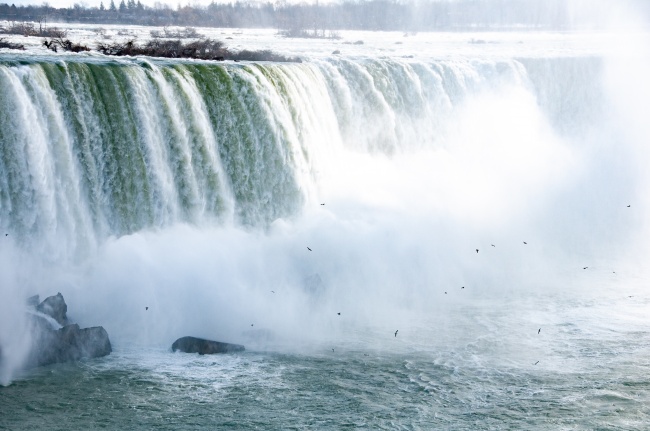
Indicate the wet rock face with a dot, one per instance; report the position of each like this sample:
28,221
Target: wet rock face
68,343
55,307
204,347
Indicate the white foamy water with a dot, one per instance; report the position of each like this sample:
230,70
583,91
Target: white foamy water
195,189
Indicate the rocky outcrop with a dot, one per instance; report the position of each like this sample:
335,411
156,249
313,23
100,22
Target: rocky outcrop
69,343
52,344
55,307
204,347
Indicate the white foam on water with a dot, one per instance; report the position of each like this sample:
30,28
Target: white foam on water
409,195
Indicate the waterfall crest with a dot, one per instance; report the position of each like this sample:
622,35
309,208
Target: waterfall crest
92,149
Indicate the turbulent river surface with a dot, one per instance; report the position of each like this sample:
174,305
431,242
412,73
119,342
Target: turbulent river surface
421,231
484,368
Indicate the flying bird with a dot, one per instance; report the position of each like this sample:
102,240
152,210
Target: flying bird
462,287
396,332
251,324
493,245
477,250
585,267
322,204
146,308
308,248
525,242
338,314
536,363
539,330
273,291
628,206
445,293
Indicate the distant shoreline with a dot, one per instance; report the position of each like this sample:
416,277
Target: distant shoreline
315,18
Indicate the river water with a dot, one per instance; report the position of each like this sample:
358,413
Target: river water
430,231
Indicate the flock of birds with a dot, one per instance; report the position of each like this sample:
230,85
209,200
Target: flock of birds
462,287
396,331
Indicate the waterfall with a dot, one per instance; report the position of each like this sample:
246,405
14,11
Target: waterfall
97,148
192,190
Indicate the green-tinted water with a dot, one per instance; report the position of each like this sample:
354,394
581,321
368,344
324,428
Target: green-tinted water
471,369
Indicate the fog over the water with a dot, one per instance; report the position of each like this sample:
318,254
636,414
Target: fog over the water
514,159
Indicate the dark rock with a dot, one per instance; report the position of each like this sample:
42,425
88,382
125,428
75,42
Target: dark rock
94,342
52,344
55,307
204,347
69,343
41,322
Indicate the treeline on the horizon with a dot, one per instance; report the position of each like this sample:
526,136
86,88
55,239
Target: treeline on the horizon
314,18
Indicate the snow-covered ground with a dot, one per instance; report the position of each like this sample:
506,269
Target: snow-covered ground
375,44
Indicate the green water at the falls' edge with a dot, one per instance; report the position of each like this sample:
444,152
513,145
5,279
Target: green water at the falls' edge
136,144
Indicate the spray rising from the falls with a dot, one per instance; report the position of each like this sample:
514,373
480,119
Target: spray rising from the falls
194,189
